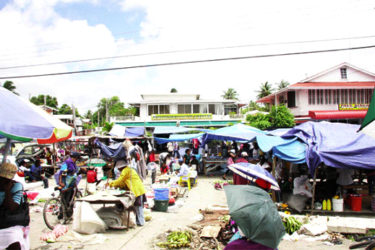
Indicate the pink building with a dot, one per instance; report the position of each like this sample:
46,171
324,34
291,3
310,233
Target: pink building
341,93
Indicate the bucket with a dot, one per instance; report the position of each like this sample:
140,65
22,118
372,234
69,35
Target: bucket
356,202
338,205
161,205
161,194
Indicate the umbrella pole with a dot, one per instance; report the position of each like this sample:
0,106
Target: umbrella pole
313,190
7,149
54,157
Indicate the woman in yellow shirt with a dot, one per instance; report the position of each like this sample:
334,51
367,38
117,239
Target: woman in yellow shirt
130,180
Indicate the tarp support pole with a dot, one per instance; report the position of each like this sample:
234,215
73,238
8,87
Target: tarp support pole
273,174
7,150
313,190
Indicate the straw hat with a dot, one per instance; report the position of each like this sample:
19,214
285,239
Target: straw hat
121,164
8,171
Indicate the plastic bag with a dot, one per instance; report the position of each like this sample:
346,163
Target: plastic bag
89,222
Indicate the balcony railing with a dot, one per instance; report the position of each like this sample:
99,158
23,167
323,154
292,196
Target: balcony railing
157,117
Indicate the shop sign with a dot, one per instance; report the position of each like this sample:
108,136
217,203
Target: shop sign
353,106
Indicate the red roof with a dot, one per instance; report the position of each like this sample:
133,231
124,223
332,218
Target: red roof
349,85
337,114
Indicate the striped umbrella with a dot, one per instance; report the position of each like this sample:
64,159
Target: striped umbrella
254,172
23,121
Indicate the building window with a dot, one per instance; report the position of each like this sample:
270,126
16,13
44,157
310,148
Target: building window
184,108
196,109
153,109
211,109
320,96
164,109
343,73
291,99
230,108
311,96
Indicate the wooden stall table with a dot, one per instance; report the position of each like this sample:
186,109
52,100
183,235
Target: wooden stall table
127,199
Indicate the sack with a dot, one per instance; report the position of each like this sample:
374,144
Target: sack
19,217
89,221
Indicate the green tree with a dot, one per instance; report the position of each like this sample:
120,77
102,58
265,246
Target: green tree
282,84
230,94
253,106
114,107
173,90
65,109
265,90
107,126
9,85
281,117
88,114
261,121
50,101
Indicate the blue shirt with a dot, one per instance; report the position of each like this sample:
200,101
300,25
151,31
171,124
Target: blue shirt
71,166
36,170
17,192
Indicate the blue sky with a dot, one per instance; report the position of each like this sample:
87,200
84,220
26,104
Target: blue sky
120,23
45,31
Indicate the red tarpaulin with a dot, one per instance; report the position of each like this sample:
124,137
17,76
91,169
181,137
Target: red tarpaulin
337,114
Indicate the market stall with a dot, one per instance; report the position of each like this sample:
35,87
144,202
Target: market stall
337,146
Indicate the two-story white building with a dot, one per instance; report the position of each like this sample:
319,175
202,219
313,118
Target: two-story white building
181,109
341,93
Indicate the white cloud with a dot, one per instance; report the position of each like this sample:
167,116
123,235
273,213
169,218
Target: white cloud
178,25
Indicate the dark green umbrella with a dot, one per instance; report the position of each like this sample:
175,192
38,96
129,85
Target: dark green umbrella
255,214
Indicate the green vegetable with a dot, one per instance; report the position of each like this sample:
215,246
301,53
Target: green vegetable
176,239
291,224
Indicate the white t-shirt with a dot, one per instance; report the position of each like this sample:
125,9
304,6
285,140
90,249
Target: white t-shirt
184,170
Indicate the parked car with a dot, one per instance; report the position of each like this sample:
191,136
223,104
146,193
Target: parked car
32,152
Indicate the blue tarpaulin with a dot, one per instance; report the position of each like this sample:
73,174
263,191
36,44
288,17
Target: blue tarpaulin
115,151
267,142
290,150
238,132
134,131
294,151
335,144
177,137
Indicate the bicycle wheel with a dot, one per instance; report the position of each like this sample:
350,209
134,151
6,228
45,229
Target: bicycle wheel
53,212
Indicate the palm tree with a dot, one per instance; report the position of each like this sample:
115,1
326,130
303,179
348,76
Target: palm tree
230,94
265,90
9,85
173,90
282,84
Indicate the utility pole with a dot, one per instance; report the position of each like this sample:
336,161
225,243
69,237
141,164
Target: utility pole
106,110
74,119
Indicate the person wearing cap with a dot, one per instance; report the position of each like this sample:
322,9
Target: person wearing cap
243,158
11,195
231,160
71,163
130,180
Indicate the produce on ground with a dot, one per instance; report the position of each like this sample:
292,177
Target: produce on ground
291,224
176,239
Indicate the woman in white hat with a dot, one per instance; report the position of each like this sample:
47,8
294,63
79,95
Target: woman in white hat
14,217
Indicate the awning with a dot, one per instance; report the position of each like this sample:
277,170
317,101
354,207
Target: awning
337,114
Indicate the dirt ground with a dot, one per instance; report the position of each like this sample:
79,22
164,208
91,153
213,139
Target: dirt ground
200,197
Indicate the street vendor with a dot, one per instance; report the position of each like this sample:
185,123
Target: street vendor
231,160
35,173
130,180
184,169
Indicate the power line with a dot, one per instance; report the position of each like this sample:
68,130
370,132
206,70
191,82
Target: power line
188,62
182,51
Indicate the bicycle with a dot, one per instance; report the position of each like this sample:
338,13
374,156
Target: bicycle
55,211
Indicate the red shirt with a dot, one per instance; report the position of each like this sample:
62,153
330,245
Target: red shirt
151,158
91,176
